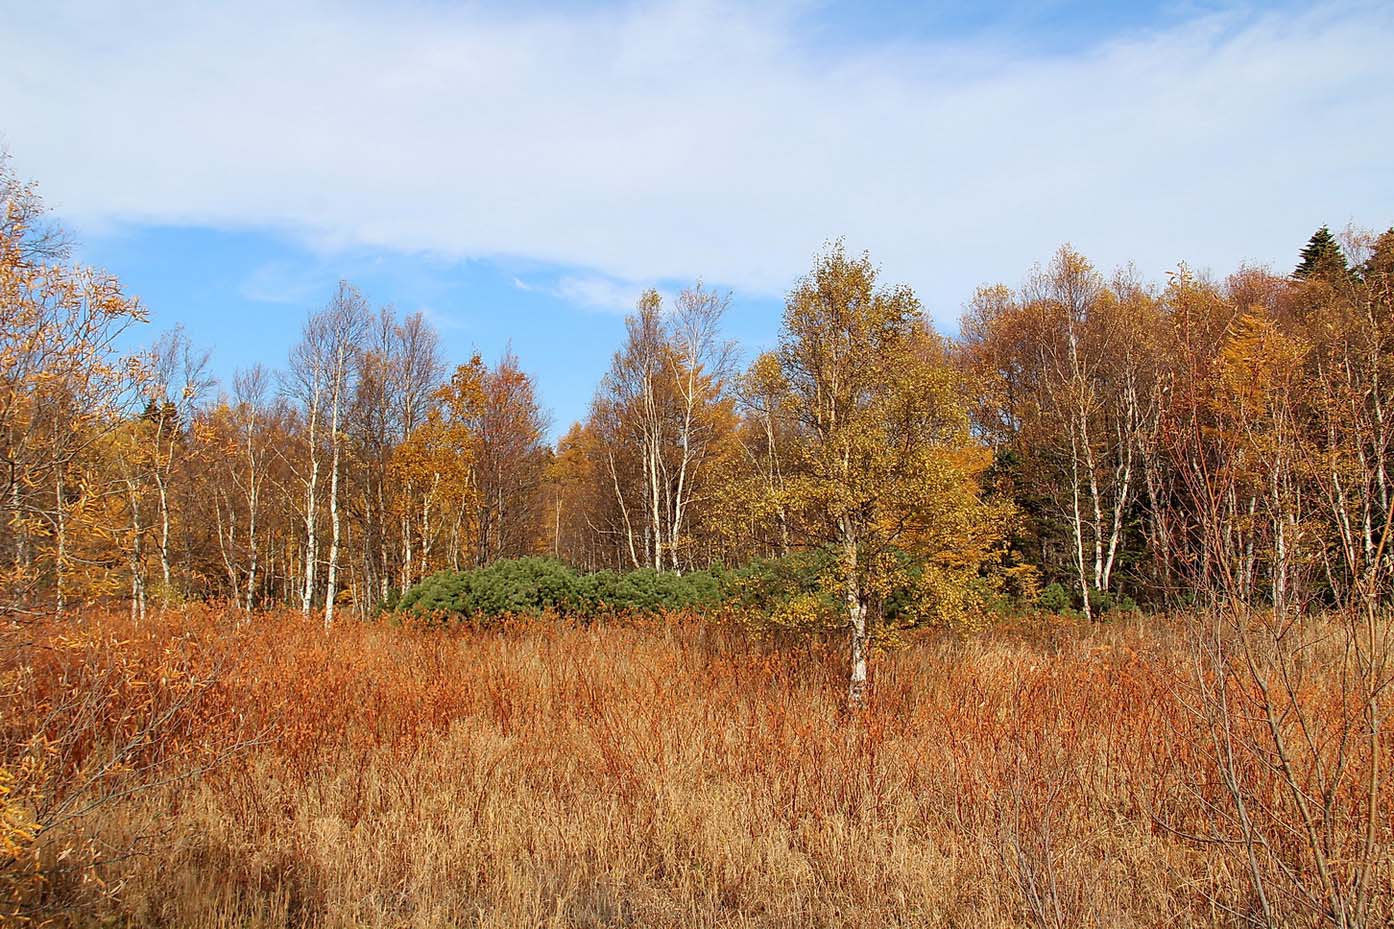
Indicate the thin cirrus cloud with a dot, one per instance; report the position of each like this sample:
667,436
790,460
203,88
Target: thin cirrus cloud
285,283
661,142
595,292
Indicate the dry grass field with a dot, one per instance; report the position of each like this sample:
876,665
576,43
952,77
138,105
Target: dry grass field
200,771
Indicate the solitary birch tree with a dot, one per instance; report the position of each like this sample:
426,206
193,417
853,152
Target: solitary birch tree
884,458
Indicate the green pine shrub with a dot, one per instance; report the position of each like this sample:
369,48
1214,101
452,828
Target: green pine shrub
1054,598
533,586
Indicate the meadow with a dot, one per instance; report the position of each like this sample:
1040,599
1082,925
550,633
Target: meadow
204,769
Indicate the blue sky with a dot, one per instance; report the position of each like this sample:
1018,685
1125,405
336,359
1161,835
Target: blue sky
244,294
520,172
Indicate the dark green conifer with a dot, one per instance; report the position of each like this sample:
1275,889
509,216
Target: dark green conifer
1322,258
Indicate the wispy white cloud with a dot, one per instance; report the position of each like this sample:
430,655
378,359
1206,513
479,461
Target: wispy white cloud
599,292
664,141
286,283
590,291
442,320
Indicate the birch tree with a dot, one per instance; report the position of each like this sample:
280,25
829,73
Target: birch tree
178,383
1069,389
399,368
662,414
884,457
700,362
345,320
321,368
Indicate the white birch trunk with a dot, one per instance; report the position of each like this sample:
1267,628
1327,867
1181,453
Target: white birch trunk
856,620
330,586
311,499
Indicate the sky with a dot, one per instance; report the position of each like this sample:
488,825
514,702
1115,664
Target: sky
520,172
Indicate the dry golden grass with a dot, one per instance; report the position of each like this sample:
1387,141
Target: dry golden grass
620,775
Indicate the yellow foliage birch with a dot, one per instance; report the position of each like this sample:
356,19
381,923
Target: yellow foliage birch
883,461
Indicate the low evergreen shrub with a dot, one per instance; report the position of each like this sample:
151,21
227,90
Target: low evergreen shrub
1054,598
533,585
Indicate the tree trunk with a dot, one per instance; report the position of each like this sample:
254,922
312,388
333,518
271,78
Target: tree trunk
307,592
332,580
164,540
17,521
62,541
1077,522
624,510
856,618
252,545
137,558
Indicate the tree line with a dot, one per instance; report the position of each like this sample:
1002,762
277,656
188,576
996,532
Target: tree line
1209,439
1089,436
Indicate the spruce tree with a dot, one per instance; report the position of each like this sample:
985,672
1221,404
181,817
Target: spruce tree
1322,258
